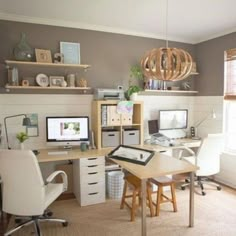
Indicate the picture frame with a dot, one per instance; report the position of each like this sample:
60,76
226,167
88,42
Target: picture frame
71,52
131,154
43,55
33,129
56,81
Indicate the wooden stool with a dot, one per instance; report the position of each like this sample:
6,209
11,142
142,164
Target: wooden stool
161,198
135,184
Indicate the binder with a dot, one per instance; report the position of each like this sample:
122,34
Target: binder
113,118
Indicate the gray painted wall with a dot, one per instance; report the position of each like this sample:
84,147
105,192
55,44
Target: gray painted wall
210,62
110,55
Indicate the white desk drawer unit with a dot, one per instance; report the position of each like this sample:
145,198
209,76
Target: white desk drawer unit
89,180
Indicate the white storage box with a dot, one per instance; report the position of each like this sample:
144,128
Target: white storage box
110,138
131,137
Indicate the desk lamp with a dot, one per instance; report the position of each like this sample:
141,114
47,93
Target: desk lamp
211,115
26,122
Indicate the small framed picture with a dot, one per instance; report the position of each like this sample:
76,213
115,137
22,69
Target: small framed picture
56,81
43,55
71,52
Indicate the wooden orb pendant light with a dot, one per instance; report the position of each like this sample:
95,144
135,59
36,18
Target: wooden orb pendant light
167,64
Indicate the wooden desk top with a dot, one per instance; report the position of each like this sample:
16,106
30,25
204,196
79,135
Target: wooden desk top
73,154
159,165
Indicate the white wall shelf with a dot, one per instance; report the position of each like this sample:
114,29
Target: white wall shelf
10,88
9,62
158,92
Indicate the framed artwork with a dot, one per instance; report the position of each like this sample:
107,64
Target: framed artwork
71,52
33,129
132,154
43,55
56,81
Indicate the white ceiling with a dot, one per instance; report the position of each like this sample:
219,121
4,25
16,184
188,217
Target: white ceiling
190,21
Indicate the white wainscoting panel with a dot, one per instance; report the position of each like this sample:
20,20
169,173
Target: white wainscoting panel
44,105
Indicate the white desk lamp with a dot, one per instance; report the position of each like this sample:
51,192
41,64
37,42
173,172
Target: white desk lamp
26,122
211,115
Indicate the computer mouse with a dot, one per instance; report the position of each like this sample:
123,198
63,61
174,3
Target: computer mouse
171,144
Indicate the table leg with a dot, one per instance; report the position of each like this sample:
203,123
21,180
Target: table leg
191,200
144,204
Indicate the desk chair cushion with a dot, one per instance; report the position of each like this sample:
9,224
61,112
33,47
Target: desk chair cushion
206,166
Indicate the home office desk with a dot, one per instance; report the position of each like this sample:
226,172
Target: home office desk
159,165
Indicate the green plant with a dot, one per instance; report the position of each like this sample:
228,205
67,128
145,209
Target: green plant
133,89
136,72
22,136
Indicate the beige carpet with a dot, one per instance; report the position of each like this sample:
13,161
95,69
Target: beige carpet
215,215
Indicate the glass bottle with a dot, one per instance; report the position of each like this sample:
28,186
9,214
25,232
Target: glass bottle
22,51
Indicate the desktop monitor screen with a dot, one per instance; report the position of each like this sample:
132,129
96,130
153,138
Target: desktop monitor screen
173,119
67,130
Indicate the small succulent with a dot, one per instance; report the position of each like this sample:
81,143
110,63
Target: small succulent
22,136
133,89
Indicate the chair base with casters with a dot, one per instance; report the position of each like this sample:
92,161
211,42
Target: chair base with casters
35,220
200,182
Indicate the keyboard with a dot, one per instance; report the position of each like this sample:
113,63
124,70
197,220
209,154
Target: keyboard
57,153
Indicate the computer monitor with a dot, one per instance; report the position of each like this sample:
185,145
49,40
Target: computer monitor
67,131
173,119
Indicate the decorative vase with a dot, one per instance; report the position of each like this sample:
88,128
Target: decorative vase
22,147
22,51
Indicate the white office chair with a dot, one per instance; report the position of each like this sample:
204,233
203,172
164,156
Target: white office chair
24,192
207,159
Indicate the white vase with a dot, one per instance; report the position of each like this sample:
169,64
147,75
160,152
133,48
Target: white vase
22,147
134,96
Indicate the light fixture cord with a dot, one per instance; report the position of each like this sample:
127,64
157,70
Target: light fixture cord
167,24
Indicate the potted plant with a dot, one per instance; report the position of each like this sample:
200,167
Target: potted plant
135,72
22,136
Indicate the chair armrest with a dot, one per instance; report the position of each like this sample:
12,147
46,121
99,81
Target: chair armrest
190,151
63,175
182,149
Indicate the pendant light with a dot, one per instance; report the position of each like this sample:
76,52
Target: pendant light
167,64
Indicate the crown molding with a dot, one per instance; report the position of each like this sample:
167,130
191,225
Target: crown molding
79,25
215,36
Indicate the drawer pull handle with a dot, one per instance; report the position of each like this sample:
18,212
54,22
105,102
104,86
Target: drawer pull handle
131,133
111,135
90,159
93,193
92,165
93,173
92,183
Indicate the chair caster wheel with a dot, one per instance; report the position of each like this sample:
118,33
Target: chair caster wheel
47,213
218,188
203,193
182,188
18,221
65,224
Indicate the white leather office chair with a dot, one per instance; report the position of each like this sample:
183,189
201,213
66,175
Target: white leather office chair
207,159
24,192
